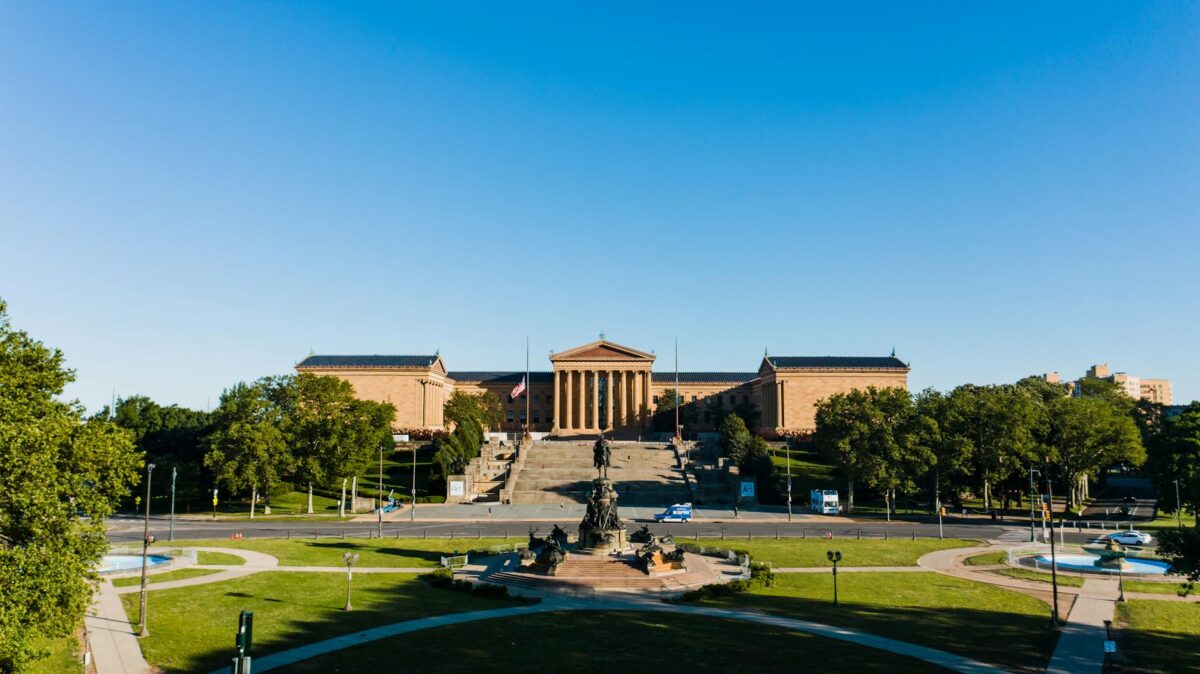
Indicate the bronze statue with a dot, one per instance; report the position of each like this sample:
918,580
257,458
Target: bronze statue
642,535
558,535
602,456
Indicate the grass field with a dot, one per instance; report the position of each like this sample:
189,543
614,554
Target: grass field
612,641
63,658
793,552
1027,574
986,559
973,619
178,574
192,628
393,552
1159,636
1151,587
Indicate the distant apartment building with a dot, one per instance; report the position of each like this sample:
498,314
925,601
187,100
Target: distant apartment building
1153,390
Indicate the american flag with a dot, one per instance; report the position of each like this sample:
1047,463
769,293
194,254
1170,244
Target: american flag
518,390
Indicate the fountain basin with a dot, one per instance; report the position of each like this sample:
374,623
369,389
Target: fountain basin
1149,567
119,563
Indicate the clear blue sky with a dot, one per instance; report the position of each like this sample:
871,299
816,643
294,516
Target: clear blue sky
193,194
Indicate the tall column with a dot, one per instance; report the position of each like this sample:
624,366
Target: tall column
637,397
582,425
649,400
557,403
568,410
779,404
595,400
608,401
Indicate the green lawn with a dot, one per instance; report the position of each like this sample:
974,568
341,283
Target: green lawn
973,619
178,574
1159,636
607,642
64,657
1029,574
986,559
1167,521
192,628
392,552
794,552
1152,587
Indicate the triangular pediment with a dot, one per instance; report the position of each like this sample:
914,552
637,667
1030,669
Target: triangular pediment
438,366
765,367
601,350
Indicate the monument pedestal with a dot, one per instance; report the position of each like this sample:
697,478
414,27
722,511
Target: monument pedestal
601,530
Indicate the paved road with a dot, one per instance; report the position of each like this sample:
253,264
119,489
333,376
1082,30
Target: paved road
1142,504
127,530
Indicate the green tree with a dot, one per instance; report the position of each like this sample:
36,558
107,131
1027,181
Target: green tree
663,420
453,452
1088,434
61,476
484,408
1182,548
169,436
899,457
247,448
1174,455
938,425
735,439
843,435
1002,423
715,412
329,431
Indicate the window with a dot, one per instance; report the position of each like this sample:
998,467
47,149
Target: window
508,416
549,398
550,416
536,397
693,398
537,417
522,417
746,399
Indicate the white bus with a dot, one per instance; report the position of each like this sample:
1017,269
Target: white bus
824,501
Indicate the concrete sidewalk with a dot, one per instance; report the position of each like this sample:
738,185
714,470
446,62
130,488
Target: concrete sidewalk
1080,648
115,648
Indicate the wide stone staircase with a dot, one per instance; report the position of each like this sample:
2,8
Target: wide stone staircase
562,472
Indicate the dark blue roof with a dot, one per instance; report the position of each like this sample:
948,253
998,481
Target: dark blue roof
367,361
705,377
484,376
838,362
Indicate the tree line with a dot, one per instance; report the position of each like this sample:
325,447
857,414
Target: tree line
304,429
981,440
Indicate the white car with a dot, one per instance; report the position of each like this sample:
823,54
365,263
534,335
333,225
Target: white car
1131,537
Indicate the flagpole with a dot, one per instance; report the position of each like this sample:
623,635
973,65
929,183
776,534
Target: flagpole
678,435
528,385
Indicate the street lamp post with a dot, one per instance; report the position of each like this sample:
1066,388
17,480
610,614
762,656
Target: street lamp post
788,448
1032,530
937,499
412,511
145,554
350,558
171,527
1121,579
834,556
1178,507
1053,556
379,505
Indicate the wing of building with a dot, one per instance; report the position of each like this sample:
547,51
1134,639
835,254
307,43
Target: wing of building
606,386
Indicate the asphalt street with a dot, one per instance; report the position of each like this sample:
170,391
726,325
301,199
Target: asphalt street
128,530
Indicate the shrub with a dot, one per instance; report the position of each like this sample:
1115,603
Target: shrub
761,576
444,579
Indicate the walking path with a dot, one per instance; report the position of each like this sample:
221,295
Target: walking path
115,648
1079,650
949,661
1081,645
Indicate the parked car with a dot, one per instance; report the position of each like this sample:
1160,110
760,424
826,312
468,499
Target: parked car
1131,537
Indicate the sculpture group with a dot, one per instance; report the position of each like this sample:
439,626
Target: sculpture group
601,529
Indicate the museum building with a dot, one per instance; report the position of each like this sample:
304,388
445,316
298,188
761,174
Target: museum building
610,387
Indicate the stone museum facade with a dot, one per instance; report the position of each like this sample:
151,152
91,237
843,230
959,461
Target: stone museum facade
610,387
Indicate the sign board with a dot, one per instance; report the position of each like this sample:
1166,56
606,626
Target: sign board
747,489
1110,646
457,488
